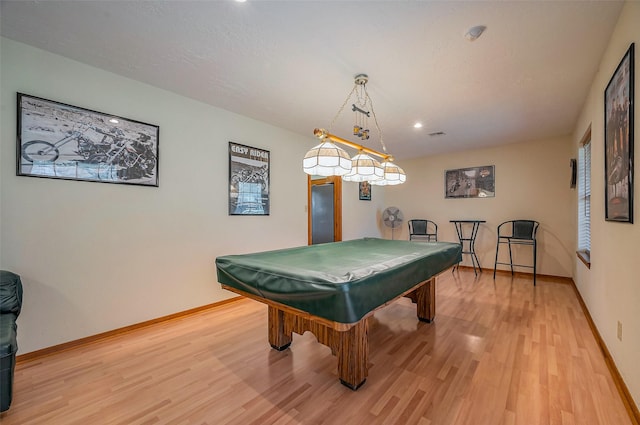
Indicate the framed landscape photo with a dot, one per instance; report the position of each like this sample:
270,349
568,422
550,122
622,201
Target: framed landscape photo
57,140
618,141
473,182
248,180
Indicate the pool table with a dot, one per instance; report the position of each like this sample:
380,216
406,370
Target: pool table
331,289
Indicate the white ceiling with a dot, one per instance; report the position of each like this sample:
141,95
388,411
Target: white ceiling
292,63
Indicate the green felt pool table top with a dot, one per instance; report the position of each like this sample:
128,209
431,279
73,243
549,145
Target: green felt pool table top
340,281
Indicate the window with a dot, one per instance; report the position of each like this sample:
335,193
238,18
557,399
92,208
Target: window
584,199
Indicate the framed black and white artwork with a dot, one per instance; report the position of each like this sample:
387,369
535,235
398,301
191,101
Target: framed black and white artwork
248,180
57,140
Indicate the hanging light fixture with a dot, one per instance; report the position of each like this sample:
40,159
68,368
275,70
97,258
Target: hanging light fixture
328,159
364,169
392,174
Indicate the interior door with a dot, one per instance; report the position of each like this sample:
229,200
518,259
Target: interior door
325,209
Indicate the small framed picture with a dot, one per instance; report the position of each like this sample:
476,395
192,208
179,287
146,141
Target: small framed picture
364,191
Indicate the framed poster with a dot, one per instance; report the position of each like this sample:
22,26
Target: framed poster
61,141
248,180
364,191
473,182
618,142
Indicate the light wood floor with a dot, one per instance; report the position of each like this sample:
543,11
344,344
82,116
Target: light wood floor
498,354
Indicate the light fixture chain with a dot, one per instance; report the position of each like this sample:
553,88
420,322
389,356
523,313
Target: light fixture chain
375,119
342,107
362,100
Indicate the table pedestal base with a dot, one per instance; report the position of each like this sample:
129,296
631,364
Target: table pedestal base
470,240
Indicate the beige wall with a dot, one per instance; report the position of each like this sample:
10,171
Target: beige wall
95,257
362,218
532,182
611,288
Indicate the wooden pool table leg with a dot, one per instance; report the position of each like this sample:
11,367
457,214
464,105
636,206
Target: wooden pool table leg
425,299
353,355
350,346
279,338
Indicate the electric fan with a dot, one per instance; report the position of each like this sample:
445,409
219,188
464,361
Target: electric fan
392,217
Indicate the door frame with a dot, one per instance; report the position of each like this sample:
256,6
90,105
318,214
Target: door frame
337,205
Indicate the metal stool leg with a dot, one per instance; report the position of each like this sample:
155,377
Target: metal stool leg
510,258
495,263
535,254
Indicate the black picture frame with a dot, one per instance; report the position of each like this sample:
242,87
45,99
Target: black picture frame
472,182
364,191
618,141
61,141
249,177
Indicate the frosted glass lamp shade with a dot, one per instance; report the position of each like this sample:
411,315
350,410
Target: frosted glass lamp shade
392,175
364,169
326,159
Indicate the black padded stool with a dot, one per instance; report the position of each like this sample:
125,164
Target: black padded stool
424,230
517,232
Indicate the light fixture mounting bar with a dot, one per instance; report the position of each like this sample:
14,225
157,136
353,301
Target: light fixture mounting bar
321,133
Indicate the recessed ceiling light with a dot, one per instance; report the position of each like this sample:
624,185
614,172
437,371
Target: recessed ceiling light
417,125
241,1
474,33
114,121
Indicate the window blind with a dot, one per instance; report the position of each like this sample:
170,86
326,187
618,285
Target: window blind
584,197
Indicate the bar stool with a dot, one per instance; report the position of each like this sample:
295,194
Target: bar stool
517,232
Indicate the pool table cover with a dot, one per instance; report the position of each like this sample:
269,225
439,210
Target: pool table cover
339,281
